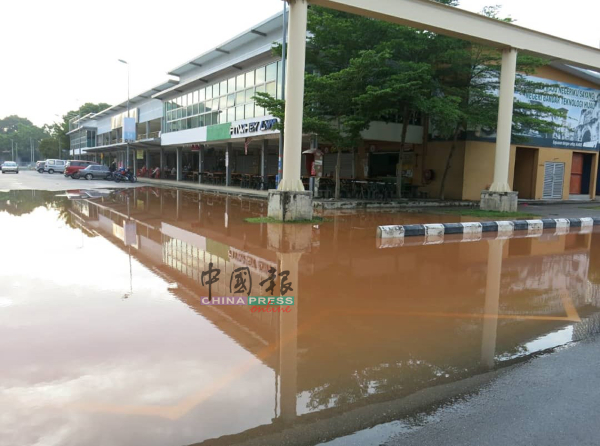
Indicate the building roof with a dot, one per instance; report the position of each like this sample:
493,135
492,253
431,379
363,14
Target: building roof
588,75
134,100
259,31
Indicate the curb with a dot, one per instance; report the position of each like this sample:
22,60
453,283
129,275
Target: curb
561,225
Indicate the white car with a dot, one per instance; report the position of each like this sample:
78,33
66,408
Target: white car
10,166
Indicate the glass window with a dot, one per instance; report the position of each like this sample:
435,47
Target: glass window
189,123
189,99
224,87
250,79
195,97
249,110
195,110
195,122
249,94
272,72
240,82
208,119
223,103
231,85
260,89
202,95
184,112
239,113
272,89
184,101
190,110
259,111
231,100
260,76
201,121
230,114
208,106
209,93
201,107
240,97
179,114
215,91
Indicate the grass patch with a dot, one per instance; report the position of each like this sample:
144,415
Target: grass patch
315,220
491,214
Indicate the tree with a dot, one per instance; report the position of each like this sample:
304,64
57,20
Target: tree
466,92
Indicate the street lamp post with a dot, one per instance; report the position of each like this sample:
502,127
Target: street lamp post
283,62
127,150
58,138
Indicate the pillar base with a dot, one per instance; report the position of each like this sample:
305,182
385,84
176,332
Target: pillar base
499,201
290,205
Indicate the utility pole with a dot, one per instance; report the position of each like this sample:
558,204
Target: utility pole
127,150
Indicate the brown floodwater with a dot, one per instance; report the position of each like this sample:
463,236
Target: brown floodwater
106,338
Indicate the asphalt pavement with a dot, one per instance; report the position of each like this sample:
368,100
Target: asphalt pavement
552,400
32,180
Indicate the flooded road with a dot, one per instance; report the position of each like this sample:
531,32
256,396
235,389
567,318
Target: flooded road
107,337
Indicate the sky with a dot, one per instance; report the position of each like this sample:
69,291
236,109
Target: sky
59,54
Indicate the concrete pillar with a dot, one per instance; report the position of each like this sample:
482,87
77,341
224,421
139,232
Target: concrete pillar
127,155
147,156
147,129
200,164
228,161
294,93
505,115
263,162
288,341
179,162
162,162
492,303
290,202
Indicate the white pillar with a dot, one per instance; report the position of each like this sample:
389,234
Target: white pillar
492,303
505,115
228,161
294,93
162,162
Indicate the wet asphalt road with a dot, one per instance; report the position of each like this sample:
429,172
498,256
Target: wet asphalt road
552,400
32,180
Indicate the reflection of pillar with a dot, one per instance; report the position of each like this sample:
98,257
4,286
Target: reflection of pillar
492,302
288,341
199,206
179,162
162,201
294,94
179,204
263,162
227,202
505,116
228,161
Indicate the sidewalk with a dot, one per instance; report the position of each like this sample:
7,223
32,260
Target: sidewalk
229,190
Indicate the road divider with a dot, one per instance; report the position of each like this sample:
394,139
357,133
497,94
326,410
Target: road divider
428,234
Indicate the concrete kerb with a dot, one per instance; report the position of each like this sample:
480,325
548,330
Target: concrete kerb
434,233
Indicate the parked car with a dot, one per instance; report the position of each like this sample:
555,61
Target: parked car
94,171
73,167
10,166
39,166
52,166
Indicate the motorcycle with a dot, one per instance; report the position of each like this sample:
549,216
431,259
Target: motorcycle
124,175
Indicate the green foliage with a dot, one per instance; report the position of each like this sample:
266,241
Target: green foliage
19,133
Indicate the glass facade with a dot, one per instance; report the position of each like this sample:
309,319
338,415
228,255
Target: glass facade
83,139
224,101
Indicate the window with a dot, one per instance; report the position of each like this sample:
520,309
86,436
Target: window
215,89
241,82
250,79
272,89
202,95
240,97
260,76
195,97
231,85
249,94
231,100
239,113
230,114
223,103
224,87
249,110
272,72
209,93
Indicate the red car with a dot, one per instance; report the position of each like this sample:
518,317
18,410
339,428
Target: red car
73,167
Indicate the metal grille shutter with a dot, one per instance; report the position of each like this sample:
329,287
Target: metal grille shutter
554,174
329,161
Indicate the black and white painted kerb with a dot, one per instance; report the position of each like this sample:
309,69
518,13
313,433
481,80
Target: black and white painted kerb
391,236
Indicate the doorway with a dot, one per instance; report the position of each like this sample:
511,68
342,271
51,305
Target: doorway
581,170
526,159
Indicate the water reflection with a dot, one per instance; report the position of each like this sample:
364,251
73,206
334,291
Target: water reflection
369,325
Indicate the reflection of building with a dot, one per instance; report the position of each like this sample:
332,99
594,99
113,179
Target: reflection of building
371,324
